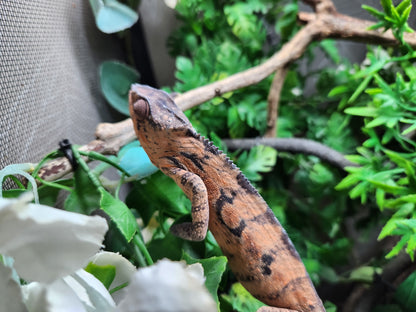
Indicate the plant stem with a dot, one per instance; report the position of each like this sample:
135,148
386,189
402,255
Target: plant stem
142,251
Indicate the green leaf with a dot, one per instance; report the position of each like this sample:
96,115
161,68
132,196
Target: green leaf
85,197
338,90
360,89
116,79
104,273
366,111
112,16
330,48
399,246
214,268
167,247
373,11
388,229
387,4
258,159
347,182
246,25
364,274
411,247
241,300
405,294
158,193
119,213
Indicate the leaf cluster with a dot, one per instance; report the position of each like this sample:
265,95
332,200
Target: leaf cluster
393,17
386,158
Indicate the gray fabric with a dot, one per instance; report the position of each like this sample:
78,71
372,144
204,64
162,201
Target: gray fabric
49,85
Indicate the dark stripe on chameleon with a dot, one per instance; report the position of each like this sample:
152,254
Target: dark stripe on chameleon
246,277
239,229
266,260
267,217
175,162
245,184
219,204
195,160
291,286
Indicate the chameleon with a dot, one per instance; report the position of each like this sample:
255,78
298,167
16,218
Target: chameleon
259,251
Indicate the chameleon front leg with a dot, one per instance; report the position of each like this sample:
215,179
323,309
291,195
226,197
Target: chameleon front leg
194,188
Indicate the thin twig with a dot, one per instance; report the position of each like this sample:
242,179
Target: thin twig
294,145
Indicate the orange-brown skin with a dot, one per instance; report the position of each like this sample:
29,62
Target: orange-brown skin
258,249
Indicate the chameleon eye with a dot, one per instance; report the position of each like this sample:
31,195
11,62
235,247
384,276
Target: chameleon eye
141,109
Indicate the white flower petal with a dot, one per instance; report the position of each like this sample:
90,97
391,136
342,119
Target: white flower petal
91,292
47,243
124,270
167,286
171,3
79,292
11,299
54,297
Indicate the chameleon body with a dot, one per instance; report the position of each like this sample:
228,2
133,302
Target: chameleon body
259,251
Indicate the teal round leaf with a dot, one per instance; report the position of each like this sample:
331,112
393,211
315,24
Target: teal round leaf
112,16
135,161
116,79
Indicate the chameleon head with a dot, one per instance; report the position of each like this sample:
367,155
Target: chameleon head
155,108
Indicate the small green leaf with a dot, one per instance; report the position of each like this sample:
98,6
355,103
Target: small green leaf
388,229
258,159
406,293
104,273
119,213
85,196
367,111
411,247
364,274
338,90
360,89
347,182
399,246
241,300
112,16
116,79
167,247
331,50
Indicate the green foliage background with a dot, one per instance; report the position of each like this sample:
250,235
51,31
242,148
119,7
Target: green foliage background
366,111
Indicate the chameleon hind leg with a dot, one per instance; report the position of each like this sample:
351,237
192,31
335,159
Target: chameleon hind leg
194,188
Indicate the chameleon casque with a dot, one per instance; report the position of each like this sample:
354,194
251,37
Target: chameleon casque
259,251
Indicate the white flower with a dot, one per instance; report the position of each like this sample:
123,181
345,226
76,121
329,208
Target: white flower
170,287
171,3
47,243
10,292
78,292
124,270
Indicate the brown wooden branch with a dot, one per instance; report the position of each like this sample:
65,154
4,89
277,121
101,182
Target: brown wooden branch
110,138
339,26
326,22
294,145
273,102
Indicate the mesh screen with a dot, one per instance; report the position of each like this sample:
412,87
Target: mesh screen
49,57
